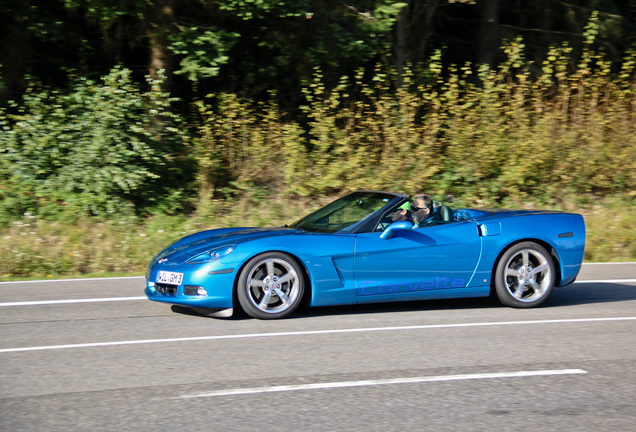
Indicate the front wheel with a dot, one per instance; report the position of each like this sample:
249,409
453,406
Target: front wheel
525,276
270,286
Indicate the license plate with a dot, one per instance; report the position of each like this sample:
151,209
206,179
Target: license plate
170,278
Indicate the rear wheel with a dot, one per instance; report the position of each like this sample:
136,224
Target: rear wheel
270,286
525,276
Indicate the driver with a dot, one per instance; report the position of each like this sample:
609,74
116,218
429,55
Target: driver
401,213
421,210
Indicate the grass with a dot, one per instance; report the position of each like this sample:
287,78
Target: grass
71,276
39,249
611,233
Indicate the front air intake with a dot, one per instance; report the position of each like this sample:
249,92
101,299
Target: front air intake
166,289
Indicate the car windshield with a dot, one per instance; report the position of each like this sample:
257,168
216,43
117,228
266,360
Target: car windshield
346,213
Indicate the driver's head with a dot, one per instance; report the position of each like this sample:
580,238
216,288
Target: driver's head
401,213
421,207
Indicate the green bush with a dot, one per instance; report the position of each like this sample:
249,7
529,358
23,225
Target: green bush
101,148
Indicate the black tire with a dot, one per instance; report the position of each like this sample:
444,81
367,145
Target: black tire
271,286
525,276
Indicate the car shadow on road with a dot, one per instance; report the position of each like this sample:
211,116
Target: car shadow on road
575,294
401,306
591,292
410,306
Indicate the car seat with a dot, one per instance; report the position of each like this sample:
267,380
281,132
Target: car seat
443,214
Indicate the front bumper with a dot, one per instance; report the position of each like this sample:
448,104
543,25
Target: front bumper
218,288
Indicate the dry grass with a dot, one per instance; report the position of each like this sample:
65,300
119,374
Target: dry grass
45,249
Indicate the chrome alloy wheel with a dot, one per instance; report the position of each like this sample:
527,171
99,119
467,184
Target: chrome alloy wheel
528,275
525,275
272,285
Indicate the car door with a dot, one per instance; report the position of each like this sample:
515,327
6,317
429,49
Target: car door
413,263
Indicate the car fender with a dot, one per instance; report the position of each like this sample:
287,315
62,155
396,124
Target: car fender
562,233
327,258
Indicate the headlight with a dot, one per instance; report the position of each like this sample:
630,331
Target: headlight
212,255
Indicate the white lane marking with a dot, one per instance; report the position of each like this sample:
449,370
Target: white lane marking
88,300
72,280
366,383
309,333
603,263
605,281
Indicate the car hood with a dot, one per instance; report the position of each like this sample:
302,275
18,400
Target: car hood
197,243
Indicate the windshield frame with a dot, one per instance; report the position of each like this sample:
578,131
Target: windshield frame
366,223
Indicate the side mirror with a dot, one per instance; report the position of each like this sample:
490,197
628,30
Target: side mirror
395,226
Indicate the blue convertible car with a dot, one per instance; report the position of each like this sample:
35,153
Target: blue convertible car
351,252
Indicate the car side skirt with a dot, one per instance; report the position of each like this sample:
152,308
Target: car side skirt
436,294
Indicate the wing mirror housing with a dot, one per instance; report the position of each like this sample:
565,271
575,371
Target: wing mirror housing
395,226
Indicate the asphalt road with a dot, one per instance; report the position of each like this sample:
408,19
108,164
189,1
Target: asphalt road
131,364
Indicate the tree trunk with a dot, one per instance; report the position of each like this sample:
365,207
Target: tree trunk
413,29
488,32
160,22
400,43
424,12
14,55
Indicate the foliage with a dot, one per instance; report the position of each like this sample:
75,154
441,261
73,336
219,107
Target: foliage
559,133
250,47
498,136
258,9
97,149
240,148
203,51
495,135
